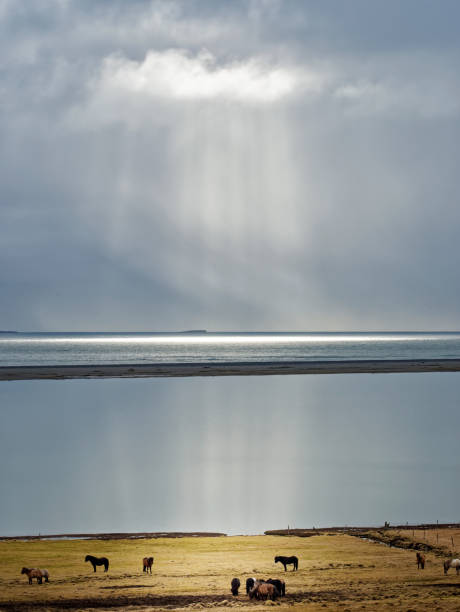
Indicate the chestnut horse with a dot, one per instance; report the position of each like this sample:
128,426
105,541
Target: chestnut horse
263,591
420,560
147,563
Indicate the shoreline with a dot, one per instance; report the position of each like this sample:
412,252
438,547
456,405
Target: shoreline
294,532
266,368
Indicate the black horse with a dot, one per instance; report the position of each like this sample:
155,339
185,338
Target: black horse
250,583
235,586
98,561
280,585
288,561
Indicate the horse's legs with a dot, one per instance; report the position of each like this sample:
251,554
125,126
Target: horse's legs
30,579
94,566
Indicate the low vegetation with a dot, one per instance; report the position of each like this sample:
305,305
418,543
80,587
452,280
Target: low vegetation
337,571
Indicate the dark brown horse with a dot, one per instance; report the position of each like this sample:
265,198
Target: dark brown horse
420,560
288,561
279,585
147,563
98,561
235,585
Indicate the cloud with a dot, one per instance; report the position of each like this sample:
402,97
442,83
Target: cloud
424,96
175,74
247,184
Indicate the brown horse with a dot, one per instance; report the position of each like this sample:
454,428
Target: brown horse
34,572
263,591
147,563
420,560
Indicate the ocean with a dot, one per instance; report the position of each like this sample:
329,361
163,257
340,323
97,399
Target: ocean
31,351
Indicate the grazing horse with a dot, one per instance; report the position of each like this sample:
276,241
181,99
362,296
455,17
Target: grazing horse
420,561
452,563
263,590
34,572
98,561
250,582
147,563
279,585
235,586
288,561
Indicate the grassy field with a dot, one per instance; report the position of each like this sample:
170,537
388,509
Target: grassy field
336,572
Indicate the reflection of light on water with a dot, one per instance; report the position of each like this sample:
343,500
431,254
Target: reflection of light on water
68,349
224,338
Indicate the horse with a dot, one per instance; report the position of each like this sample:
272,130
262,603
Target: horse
147,563
420,560
98,561
263,590
288,561
452,563
235,586
280,585
34,572
250,582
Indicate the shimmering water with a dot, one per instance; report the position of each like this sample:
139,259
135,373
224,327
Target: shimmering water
32,349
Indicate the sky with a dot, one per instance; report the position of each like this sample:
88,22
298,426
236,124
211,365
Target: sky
248,165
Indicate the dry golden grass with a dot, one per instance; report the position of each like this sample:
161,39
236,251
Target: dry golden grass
447,540
338,572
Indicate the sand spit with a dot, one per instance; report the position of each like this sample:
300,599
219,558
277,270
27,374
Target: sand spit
117,536
165,370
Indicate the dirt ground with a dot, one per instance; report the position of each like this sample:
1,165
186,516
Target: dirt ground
336,572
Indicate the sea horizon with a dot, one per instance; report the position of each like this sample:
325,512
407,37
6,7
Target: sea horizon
29,355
